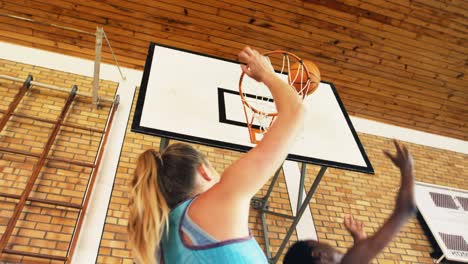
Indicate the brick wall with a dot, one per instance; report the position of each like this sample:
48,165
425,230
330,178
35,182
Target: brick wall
369,198
114,248
42,228
389,67
47,229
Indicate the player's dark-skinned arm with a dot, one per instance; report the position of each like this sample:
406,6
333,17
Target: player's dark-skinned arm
355,228
365,250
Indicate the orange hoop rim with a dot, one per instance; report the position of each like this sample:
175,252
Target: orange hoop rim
241,93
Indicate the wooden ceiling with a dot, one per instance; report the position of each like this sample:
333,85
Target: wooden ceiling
402,62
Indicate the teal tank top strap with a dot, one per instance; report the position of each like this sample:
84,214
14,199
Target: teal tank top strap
233,251
194,232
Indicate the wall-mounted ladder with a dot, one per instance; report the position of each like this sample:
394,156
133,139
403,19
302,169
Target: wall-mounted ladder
45,156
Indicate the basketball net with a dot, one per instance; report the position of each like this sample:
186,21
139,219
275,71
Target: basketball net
259,107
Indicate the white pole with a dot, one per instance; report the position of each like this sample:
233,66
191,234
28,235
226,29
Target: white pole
97,64
440,259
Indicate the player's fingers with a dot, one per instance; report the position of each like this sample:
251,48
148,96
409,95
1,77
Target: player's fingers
243,56
398,147
390,156
255,52
248,50
245,68
405,150
347,221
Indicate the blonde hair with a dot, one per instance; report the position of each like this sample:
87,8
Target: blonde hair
160,182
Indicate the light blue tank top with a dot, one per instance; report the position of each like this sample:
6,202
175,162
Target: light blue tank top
234,251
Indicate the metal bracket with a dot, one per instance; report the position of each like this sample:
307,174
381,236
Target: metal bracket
163,144
440,259
28,81
97,64
74,90
259,203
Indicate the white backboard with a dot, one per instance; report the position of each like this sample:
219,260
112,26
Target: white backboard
194,97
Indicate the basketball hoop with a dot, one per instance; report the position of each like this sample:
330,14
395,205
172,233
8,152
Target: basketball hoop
259,107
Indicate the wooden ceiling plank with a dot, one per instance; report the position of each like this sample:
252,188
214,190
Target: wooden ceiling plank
423,126
431,58
364,25
407,76
387,79
408,19
371,69
336,27
77,42
80,20
438,5
348,87
386,103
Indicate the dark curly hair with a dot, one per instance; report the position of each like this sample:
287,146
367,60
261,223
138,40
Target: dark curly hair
299,252
309,252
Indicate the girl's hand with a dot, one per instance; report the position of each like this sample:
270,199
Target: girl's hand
256,65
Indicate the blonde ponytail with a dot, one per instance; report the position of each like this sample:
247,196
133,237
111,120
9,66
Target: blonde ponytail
148,210
160,183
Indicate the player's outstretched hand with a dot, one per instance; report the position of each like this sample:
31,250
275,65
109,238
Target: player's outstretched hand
365,250
256,65
355,228
403,159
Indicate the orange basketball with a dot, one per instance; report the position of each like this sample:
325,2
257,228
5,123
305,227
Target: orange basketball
299,79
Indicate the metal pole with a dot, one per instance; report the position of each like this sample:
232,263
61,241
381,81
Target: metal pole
270,189
37,169
97,65
163,144
70,29
37,155
89,190
440,259
261,203
53,87
90,129
264,202
301,185
34,255
265,235
299,213
40,200
278,214
18,97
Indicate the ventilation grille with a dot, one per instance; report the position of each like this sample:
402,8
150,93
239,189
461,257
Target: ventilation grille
464,202
445,211
443,200
454,242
